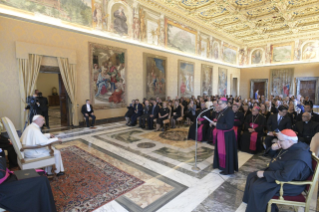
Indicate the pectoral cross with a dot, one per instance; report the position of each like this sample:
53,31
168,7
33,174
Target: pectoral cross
274,160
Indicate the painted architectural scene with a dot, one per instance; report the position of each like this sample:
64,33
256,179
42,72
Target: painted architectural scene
107,67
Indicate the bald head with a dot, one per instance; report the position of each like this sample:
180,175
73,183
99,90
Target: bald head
38,120
306,117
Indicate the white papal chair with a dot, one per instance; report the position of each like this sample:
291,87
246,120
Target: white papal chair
26,163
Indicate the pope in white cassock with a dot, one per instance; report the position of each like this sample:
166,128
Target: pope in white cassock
32,136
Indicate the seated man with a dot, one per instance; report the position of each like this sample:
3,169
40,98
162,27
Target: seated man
32,194
253,130
238,121
32,136
145,115
138,111
153,115
291,162
87,111
6,144
306,128
314,116
276,123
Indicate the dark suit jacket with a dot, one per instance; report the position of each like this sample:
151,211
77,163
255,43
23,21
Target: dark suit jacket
272,123
43,104
239,119
84,110
155,112
139,109
300,125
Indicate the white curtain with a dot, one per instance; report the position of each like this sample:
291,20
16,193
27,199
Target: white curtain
69,79
28,74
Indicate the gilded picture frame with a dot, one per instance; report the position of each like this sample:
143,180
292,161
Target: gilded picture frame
282,53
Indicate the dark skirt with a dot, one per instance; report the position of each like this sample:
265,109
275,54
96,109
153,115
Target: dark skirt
160,120
175,117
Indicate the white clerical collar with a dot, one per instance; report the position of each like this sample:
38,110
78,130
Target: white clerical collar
34,124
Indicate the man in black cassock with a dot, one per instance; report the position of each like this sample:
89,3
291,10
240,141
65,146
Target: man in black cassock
253,130
291,162
225,155
308,108
238,121
276,123
27,195
306,128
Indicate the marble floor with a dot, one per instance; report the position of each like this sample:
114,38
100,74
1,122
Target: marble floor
164,161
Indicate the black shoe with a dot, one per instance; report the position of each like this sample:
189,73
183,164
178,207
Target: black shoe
223,173
60,174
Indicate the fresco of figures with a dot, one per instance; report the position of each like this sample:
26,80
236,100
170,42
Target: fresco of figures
256,57
215,50
281,81
61,9
185,78
222,81
309,51
207,79
107,76
155,73
282,52
180,38
229,55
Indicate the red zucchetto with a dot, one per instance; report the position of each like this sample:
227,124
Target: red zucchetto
289,132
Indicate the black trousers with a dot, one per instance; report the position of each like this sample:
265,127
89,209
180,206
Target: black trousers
45,114
12,155
87,119
150,122
268,141
142,121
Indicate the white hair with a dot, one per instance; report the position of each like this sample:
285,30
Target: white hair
294,139
36,117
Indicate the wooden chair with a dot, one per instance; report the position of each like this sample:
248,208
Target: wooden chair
168,120
26,163
314,144
299,200
180,120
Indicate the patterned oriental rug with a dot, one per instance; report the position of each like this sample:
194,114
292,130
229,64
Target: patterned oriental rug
89,182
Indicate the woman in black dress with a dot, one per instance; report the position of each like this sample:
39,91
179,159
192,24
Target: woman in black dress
130,112
162,115
176,113
246,110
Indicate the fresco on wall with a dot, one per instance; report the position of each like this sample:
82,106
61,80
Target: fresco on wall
155,73
107,76
207,79
203,47
281,81
309,51
282,52
153,32
120,19
222,81
229,54
256,57
75,11
180,38
99,17
185,78
215,50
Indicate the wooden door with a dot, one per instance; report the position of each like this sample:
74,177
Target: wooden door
260,86
308,88
63,103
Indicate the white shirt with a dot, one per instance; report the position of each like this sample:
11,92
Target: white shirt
88,107
33,136
278,117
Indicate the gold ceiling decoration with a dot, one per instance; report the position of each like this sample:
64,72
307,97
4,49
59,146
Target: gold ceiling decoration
249,22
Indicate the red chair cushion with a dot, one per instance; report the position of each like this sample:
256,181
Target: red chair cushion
299,198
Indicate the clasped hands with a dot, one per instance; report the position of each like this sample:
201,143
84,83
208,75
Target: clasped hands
213,124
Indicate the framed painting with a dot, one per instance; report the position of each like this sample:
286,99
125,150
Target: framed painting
185,78
281,81
222,81
155,76
206,80
107,76
229,54
281,53
180,38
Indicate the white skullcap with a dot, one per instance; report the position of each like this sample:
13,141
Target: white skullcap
35,117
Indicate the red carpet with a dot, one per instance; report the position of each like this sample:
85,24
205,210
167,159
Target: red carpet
89,182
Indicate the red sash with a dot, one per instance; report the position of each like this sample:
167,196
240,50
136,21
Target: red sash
6,176
221,147
235,128
200,130
214,133
253,138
